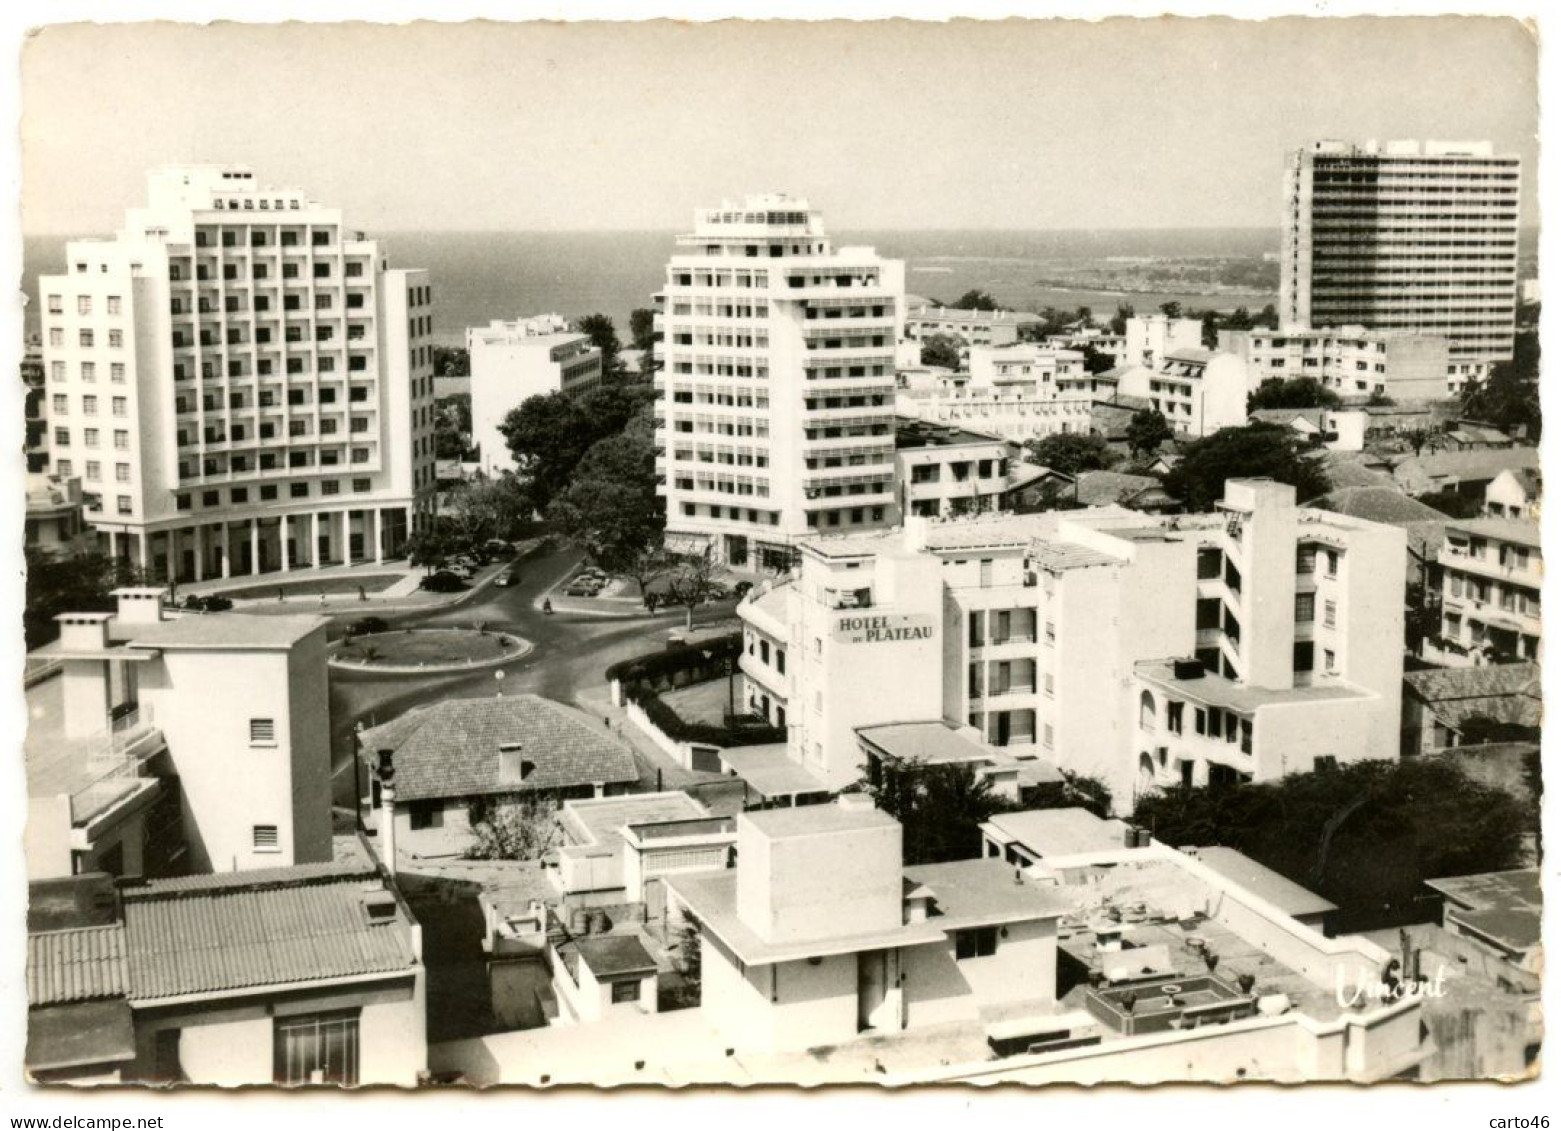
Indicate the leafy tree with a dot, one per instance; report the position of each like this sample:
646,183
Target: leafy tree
1071,452
976,300
1253,451
610,508
642,327
1119,321
1211,330
1147,430
549,435
1477,730
1297,392
1365,835
478,512
1509,397
940,807
1074,791
1422,616
604,336
450,361
64,585
517,829
693,582
1096,361
940,350
1172,309
428,548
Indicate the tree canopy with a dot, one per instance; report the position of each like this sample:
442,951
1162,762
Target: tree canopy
939,807
63,585
610,507
642,327
975,299
1509,397
1096,361
1071,452
940,350
1261,451
1297,392
1119,320
549,435
604,336
1366,835
1147,430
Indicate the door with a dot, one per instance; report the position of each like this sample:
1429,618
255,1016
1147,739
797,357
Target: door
872,988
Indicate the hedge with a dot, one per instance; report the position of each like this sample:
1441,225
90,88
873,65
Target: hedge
674,661
674,727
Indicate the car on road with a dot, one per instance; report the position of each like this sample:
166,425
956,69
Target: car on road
508,577
581,589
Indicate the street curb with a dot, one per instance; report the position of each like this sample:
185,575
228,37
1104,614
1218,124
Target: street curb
523,649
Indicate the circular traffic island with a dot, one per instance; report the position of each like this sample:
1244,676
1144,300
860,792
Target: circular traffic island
422,651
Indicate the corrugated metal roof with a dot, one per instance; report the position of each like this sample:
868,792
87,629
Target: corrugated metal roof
223,939
76,965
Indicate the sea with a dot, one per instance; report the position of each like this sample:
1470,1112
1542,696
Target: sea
480,276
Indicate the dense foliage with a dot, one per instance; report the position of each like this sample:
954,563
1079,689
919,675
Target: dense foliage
1298,392
610,507
1074,791
1366,835
67,585
1262,451
604,336
939,807
549,435
940,350
1071,452
1147,430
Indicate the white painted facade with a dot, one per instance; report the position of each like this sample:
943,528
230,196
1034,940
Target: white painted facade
512,361
776,411
1492,577
1198,392
1350,360
1150,337
1054,636
242,383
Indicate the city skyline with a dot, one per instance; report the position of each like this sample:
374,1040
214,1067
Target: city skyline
1066,143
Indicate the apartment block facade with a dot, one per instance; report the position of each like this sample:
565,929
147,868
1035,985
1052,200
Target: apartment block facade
1405,236
511,361
1492,575
1351,360
1150,337
240,381
1197,391
1147,651
776,413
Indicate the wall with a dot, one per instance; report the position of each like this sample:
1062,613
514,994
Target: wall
309,740
46,841
816,1005
836,883
228,1055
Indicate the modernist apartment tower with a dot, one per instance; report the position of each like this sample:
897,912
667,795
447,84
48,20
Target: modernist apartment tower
776,413
240,382
1405,237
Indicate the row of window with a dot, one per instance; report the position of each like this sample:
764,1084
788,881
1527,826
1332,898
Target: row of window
113,304
90,437
269,492
60,405
86,338
88,372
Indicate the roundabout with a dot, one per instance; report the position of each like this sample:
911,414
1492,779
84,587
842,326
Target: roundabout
426,651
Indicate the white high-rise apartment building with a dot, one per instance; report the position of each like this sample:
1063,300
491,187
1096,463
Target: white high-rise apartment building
1405,236
1151,336
776,413
512,361
241,383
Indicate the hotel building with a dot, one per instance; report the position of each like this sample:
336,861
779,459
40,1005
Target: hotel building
776,413
1260,640
1351,360
511,361
241,382
1411,237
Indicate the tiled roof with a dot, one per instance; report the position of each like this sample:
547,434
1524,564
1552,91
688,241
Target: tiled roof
222,938
1059,556
1522,531
1420,473
76,965
1098,488
1378,504
451,748
1506,693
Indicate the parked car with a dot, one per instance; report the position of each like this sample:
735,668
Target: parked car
443,582
508,577
580,589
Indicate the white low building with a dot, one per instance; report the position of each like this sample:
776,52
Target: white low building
1196,390
1350,360
1260,640
512,361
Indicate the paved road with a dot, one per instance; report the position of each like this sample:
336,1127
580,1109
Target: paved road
570,653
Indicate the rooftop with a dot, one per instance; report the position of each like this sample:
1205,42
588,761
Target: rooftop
985,892
218,631
599,821
1101,488
816,820
910,433
955,314
1507,693
1060,832
1477,463
611,956
1504,907
1216,691
1285,894
933,743
770,771
1521,531
451,748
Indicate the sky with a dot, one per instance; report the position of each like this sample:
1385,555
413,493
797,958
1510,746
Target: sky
1161,123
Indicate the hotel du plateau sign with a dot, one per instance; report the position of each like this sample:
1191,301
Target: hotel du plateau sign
882,628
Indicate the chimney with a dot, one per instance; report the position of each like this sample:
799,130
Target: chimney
513,768
139,604
387,808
